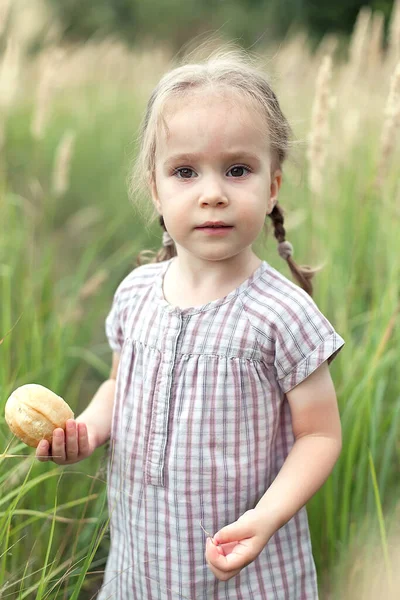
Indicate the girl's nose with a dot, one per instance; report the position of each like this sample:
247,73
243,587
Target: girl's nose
212,193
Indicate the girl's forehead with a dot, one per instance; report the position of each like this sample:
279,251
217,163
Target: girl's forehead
211,119
207,96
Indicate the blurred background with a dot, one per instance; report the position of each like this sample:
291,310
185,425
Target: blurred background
250,21
74,80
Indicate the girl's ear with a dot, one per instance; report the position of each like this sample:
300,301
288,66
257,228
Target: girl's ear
154,193
275,186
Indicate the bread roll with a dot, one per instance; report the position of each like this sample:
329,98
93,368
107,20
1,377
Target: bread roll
32,412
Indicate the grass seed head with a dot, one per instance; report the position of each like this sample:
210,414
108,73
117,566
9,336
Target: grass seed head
394,31
319,133
62,163
390,126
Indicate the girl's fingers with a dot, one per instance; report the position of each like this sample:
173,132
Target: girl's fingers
42,450
227,548
58,446
214,553
218,563
67,446
83,438
72,440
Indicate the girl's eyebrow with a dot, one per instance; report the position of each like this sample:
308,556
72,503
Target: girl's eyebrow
189,157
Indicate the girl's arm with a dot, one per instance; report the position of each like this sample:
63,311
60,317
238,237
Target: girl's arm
316,426
88,431
98,414
317,429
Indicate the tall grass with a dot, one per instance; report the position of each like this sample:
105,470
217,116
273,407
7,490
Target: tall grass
69,235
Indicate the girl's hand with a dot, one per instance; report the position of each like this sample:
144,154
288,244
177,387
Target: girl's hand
79,444
237,545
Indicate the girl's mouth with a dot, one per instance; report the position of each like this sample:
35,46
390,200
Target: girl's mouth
220,230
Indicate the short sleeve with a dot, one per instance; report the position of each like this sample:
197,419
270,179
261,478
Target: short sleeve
304,340
113,326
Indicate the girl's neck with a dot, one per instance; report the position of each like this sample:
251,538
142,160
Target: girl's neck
195,282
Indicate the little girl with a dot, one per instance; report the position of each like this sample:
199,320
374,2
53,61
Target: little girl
224,420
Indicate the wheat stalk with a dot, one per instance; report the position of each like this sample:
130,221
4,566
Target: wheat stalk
319,133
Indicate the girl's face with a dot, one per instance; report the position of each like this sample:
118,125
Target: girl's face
214,164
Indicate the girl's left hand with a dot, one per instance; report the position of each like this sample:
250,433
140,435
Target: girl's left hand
237,545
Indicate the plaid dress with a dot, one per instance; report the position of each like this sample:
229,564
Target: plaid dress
201,426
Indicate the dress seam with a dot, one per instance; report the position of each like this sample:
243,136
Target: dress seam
205,354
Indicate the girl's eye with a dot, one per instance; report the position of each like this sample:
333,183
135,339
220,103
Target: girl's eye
184,173
239,171
188,173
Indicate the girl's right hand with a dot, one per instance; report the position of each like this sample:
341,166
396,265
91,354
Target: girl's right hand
79,444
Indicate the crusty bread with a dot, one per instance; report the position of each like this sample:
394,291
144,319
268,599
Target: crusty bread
32,412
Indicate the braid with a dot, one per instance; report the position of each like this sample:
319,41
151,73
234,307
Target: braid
277,219
164,253
302,274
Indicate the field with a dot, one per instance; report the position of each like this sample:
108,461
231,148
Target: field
69,234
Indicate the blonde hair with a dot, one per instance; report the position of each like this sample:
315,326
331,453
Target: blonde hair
224,69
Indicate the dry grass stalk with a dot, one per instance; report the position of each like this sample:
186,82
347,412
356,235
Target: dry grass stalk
387,334
292,57
328,45
319,134
62,163
394,32
390,126
368,578
10,330
18,473
358,42
86,217
47,84
376,41
42,105
71,315
350,121
73,312
295,219
9,71
397,200
110,61
93,284
4,12
2,134
29,19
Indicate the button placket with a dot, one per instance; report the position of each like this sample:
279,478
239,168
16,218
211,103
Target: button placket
158,434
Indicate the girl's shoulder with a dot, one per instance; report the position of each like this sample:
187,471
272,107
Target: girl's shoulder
293,334
275,295
277,308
